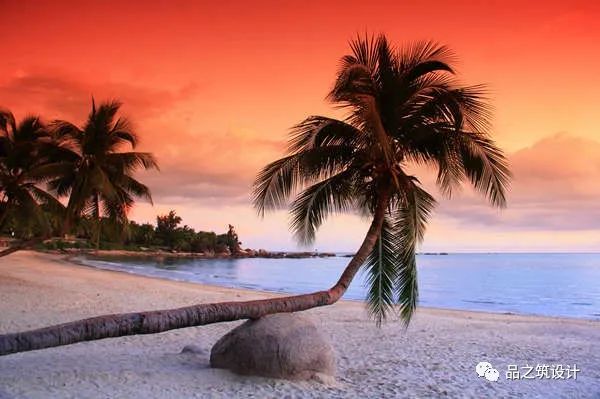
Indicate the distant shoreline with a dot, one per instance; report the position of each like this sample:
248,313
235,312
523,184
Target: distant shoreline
192,255
200,255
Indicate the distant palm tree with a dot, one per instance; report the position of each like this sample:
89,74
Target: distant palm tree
404,108
98,177
27,152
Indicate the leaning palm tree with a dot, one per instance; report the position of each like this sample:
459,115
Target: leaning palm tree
404,107
27,151
99,176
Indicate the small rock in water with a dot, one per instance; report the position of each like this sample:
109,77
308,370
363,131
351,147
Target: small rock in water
193,349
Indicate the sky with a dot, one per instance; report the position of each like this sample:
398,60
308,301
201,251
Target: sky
213,88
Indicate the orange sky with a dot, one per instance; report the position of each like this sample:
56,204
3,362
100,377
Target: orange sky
213,87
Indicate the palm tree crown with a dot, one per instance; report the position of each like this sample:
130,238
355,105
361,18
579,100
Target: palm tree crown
27,149
97,175
404,106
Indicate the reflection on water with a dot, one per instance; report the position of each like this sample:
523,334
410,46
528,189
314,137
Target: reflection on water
545,284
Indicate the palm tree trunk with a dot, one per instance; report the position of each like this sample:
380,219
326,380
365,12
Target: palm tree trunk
67,223
157,321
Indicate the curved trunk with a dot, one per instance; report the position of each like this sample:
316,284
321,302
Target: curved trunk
157,321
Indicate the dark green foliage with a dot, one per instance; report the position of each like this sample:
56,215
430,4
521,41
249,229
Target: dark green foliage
169,235
96,174
28,156
166,229
141,234
40,164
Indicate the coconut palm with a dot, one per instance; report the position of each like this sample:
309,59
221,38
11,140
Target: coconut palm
99,176
404,107
27,150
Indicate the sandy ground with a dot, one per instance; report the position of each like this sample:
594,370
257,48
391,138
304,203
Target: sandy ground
435,357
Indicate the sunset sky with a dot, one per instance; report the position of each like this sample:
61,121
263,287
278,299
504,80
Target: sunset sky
213,88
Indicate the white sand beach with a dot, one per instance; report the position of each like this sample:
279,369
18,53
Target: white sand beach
434,357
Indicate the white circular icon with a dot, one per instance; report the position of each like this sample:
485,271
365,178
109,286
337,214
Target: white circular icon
492,375
485,369
482,367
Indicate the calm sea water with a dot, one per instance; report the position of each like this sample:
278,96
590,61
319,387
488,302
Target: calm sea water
565,285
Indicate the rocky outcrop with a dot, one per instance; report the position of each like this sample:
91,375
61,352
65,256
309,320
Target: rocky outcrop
284,345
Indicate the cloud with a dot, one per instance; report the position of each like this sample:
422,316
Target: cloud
56,95
208,167
554,188
563,166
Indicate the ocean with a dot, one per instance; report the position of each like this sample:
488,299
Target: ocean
549,284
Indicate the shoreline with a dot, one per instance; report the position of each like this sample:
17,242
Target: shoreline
72,258
434,357
158,254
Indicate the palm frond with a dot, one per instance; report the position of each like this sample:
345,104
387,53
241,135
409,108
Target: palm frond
30,129
442,100
355,77
48,200
421,52
7,120
319,131
451,171
412,214
128,162
63,129
352,86
486,166
46,172
276,182
364,51
426,67
131,186
122,133
28,209
382,268
313,205
386,73
101,118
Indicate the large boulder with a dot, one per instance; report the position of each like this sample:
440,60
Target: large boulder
283,345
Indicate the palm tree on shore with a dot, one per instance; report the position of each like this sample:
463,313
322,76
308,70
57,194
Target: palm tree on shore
27,153
404,108
98,177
